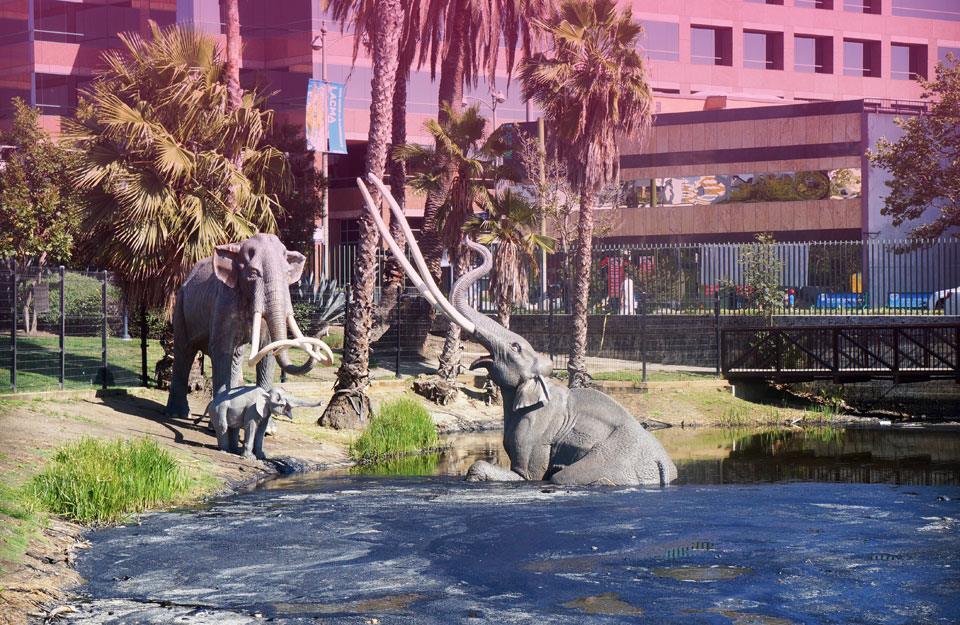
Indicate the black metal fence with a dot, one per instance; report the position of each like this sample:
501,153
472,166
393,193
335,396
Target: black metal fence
873,277
656,305
66,330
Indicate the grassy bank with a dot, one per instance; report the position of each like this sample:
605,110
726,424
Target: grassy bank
402,426
93,481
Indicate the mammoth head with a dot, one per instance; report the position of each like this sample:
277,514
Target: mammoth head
512,363
262,270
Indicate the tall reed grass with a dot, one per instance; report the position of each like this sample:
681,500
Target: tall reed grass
403,426
95,481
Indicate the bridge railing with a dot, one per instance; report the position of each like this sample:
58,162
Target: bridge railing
842,352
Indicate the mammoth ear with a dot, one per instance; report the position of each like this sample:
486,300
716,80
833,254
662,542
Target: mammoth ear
225,263
262,403
529,394
295,262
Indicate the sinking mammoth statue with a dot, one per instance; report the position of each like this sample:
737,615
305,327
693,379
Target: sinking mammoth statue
567,436
223,305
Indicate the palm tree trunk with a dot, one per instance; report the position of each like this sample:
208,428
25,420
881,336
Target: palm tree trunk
234,94
577,365
392,271
350,405
451,92
452,354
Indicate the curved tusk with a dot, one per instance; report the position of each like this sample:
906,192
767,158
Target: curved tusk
441,302
397,252
255,335
272,348
326,357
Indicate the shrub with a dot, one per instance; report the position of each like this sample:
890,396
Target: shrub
95,481
403,426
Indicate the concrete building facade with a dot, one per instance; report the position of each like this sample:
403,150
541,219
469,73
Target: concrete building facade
801,70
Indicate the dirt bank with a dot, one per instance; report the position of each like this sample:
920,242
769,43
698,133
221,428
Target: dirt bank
32,427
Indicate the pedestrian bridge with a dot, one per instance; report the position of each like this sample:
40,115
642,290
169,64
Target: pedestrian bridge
842,353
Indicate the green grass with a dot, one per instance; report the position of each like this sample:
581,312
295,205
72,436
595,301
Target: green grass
21,517
636,377
402,426
94,481
38,362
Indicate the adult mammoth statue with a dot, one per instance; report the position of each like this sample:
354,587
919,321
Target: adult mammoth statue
239,295
551,432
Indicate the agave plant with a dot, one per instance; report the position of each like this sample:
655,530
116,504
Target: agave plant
317,304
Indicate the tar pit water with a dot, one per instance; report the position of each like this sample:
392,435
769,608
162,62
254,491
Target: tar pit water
768,527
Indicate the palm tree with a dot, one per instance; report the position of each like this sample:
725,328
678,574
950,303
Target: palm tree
593,90
382,20
152,138
465,36
461,140
509,223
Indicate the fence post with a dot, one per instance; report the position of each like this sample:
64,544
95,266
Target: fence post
13,332
399,327
550,325
716,314
643,336
62,374
143,347
103,331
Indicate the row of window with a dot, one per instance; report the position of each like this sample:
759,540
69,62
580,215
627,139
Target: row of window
713,45
946,10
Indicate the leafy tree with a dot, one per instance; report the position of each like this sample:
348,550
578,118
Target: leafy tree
301,200
762,268
153,136
37,202
593,90
925,161
38,216
382,21
509,223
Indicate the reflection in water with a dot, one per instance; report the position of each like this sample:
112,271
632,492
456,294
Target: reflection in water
735,456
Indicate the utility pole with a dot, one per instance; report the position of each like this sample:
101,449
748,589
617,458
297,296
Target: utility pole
541,138
320,43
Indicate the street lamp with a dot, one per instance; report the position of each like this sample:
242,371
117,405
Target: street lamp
496,97
319,43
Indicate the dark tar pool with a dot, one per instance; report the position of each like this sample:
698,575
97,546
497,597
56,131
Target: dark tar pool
763,528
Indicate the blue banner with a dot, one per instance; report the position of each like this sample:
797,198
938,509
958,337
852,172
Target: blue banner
337,136
324,118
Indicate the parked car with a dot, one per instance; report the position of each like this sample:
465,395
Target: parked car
947,300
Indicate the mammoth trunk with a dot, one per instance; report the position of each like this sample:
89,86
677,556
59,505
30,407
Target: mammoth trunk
277,326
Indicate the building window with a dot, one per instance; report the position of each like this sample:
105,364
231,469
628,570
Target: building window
762,50
349,231
861,58
661,40
813,54
862,6
946,10
711,45
942,53
780,2
814,4
908,61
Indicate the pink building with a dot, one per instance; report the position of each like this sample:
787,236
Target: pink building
704,55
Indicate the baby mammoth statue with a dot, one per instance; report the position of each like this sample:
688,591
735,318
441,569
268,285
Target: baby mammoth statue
249,408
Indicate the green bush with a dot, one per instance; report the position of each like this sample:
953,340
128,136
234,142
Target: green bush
82,296
96,481
403,426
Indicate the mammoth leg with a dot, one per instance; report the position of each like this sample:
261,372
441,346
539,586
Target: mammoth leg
483,471
258,438
183,355
235,440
